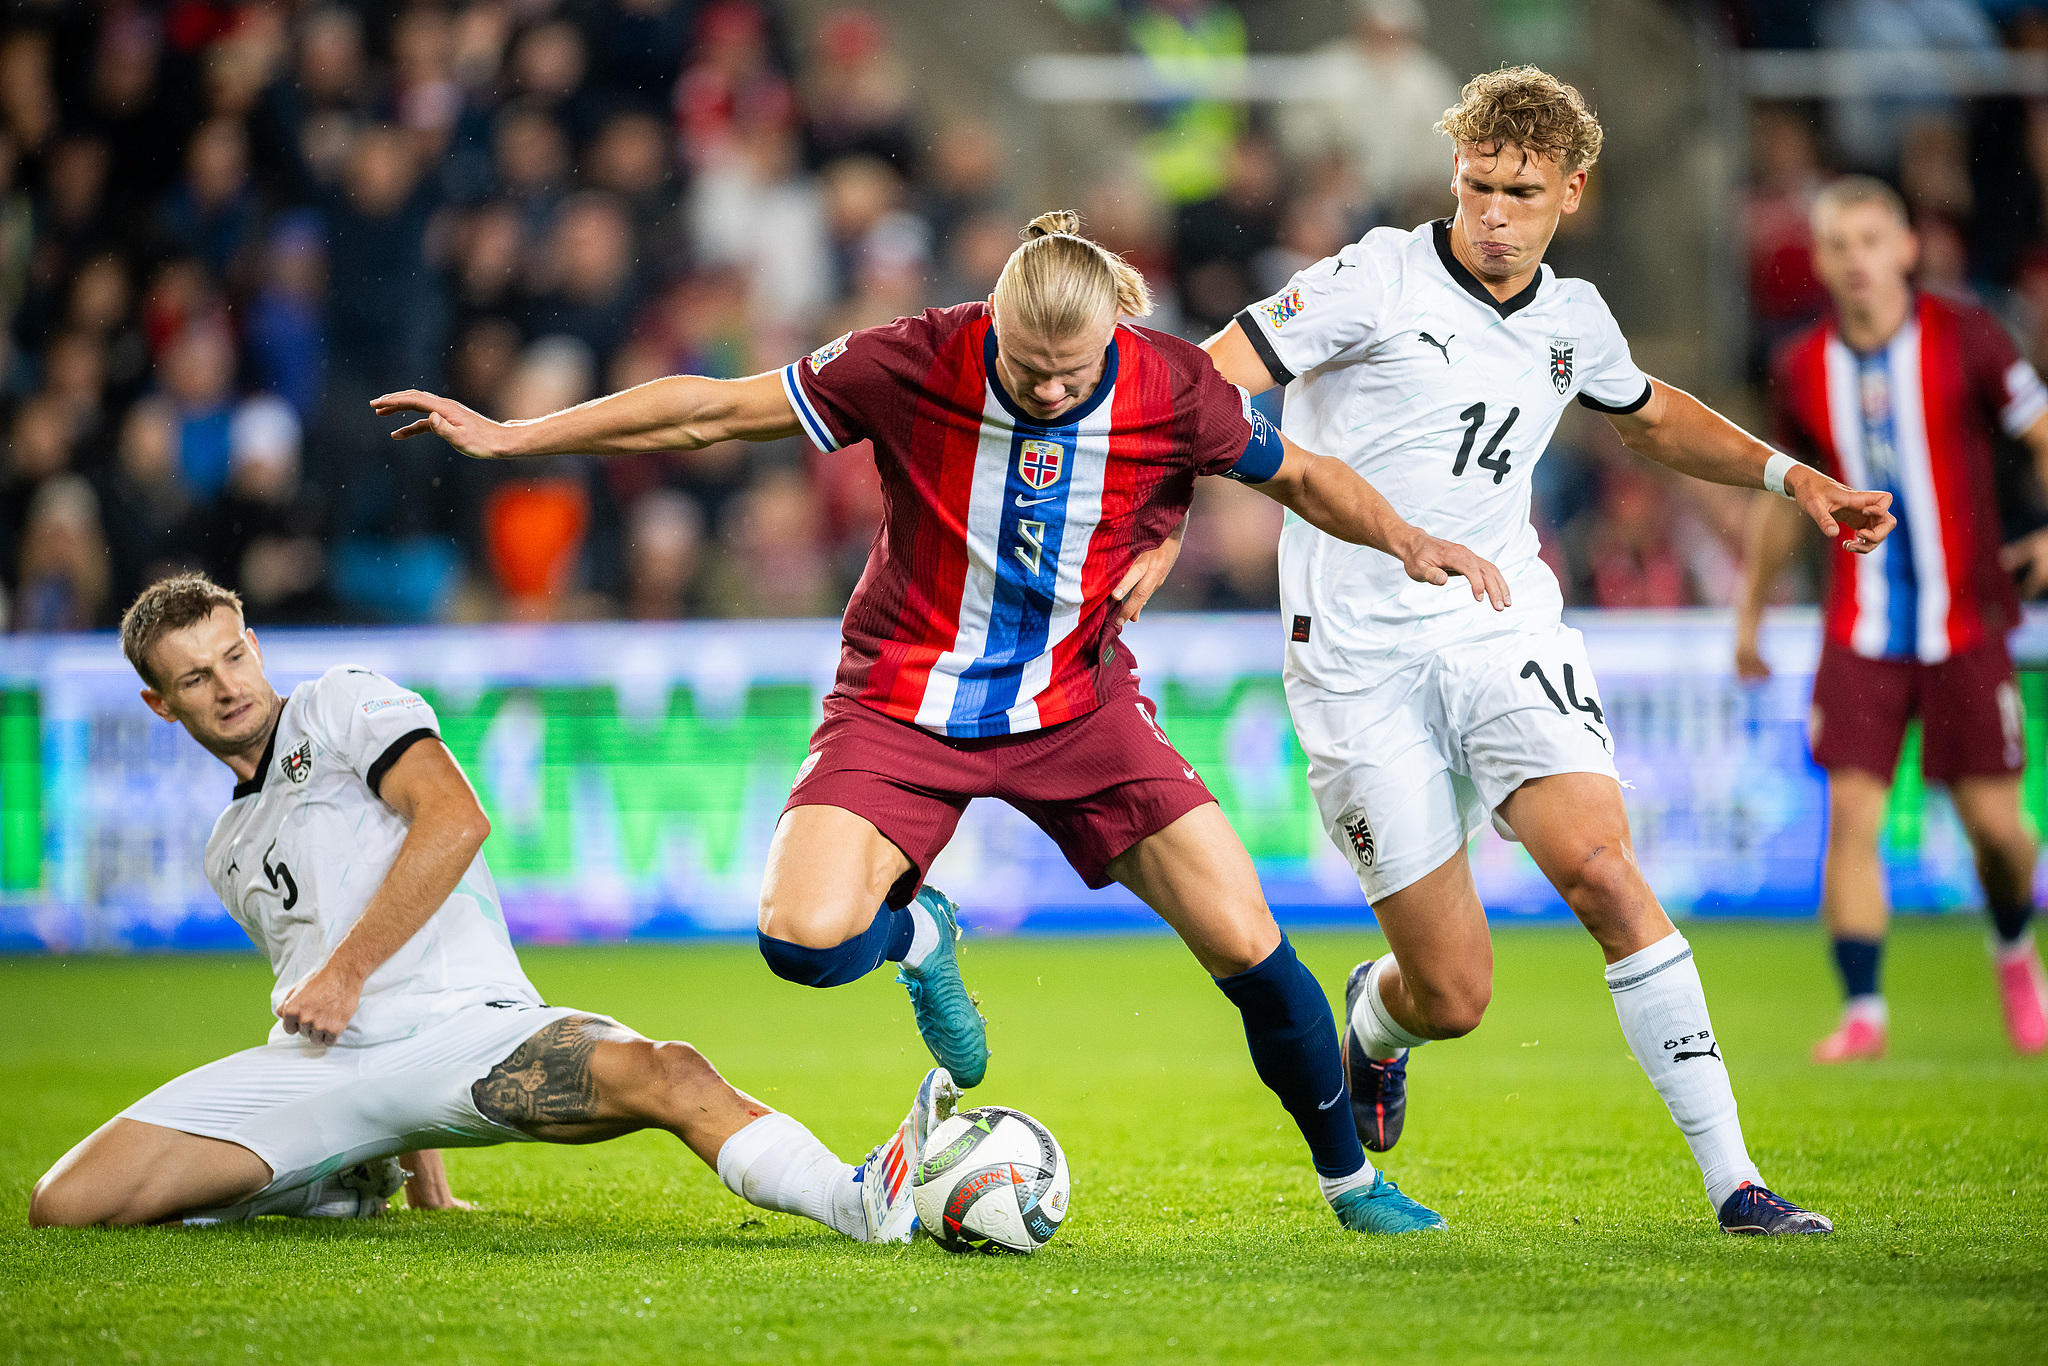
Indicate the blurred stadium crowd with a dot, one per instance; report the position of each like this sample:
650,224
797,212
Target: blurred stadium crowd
224,227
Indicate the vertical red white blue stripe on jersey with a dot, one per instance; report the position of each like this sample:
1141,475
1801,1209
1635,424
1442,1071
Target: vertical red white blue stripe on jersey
997,626
1035,503
1900,601
1879,432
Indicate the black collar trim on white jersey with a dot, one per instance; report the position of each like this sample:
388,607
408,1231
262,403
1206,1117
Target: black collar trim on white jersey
255,784
1441,230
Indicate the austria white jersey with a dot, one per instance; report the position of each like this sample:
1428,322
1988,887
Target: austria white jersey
1398,361
307,842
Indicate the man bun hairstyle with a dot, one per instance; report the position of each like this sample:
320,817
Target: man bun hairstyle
1849,190
170,605
1059,283
1529,108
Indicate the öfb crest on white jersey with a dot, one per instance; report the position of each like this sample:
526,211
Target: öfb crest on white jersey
1561,363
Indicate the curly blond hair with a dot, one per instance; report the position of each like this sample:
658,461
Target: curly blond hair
1530,109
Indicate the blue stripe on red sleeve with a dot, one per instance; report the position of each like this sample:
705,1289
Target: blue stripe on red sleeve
807,414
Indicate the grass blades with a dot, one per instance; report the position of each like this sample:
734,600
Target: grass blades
1579,1232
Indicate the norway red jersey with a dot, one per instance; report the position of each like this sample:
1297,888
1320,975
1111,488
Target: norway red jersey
1916,419
985,606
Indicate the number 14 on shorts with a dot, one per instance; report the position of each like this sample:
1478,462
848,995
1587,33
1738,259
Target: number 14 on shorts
1590,705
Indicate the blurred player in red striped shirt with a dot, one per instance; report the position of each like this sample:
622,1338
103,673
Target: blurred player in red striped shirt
1907,392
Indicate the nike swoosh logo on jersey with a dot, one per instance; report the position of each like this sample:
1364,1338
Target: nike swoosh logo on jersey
1185,769
1022,502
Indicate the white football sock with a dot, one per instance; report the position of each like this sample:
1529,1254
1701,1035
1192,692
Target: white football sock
1869,1009
777,1163
924,936
1334,1186
1381,1034
1663,1012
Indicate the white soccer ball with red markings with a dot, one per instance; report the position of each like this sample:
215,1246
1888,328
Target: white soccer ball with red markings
991,1179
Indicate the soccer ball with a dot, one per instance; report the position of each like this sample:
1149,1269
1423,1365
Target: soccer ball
991,1180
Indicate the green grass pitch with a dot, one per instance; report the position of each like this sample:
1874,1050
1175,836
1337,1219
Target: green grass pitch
1578,1230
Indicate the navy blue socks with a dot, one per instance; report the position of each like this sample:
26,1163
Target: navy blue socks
1857,960
886,939
1294,1047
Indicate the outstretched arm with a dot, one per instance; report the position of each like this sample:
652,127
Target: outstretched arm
1769,543
1331,496
446,829
679,413
1679,432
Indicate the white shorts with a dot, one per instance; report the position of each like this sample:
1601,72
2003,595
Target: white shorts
1406,771
309,1111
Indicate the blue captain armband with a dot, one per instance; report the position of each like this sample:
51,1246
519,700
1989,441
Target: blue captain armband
1263,454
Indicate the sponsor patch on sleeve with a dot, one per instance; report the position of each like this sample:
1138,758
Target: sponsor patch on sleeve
1282,308
377,704
829,352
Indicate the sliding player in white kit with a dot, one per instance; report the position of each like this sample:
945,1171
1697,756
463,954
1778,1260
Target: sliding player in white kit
352,854
1438,362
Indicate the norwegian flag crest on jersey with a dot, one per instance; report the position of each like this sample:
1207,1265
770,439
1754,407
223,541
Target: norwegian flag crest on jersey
1040,463
1561,362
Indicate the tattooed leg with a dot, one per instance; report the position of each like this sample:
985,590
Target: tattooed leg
581,1080
546,1088
584,1080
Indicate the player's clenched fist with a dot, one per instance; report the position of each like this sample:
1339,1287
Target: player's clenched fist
1833,506
1430,560
319,1008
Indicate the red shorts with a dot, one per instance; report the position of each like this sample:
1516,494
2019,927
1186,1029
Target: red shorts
1097,785
1971,725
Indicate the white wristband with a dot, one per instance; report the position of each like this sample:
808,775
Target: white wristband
1775,470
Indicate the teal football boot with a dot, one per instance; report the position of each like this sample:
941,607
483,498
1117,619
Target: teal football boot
952,1028
1381,1208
